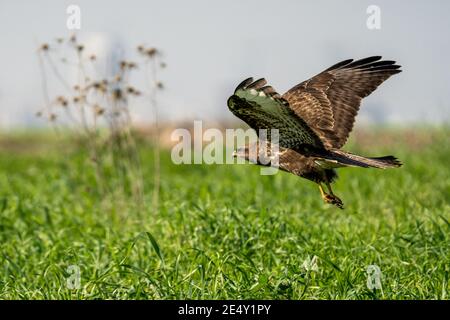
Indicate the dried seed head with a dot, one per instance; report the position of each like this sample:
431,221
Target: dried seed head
123,64
140,48
100,86
44,47
73,38
92,57
151,52
52,117
117,94
79,99
62,101
133,91
80,47
132,65
76,87
98,110
159,85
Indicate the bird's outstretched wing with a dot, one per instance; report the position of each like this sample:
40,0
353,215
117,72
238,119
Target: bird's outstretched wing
329,101
262,108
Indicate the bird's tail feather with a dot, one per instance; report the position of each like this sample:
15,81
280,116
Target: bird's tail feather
349,159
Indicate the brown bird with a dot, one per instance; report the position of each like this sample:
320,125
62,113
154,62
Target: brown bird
314,120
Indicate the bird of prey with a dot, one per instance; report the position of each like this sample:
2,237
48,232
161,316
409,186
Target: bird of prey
314,119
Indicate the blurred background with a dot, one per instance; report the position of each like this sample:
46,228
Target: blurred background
209,47
87,179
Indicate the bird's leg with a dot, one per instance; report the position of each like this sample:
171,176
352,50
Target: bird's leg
331,197
322,193
328,198
329,188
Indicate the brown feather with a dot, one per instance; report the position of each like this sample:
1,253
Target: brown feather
329,101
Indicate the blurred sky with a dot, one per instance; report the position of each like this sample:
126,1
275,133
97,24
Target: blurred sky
210,46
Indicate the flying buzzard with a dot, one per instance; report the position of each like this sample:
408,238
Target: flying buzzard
314,119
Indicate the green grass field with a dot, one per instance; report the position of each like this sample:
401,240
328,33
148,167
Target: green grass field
225,231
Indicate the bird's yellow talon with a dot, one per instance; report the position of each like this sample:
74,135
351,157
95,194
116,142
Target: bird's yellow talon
332,199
